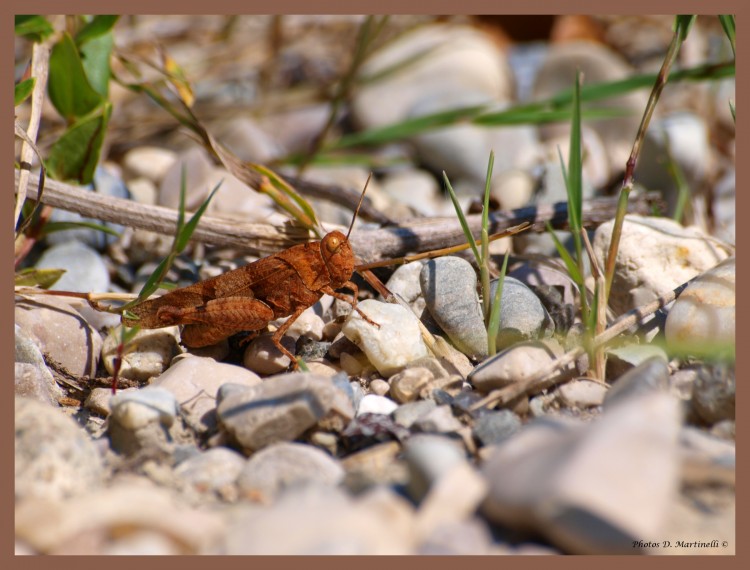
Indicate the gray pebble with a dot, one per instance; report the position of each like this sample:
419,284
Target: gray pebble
407,414
54,457
496,426
214,470
141,420
449,288
519,362
429,457
85,270
652,375
438,420
281,409
714,394
522,315
271,470
624,358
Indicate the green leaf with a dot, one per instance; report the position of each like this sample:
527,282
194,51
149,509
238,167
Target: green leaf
575,166
682,25
95,56
75,154
462,219
23,90
540,117
730,29
570,264
69,89
35,28
96,28
52,227
33,277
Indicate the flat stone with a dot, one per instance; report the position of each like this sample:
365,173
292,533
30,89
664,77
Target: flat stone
522,315
407,414
149,354
582,394
650,376
514,364
496,426
439,420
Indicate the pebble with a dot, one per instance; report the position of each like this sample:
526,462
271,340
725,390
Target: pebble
213,471
538,274
324,520
263,357
581,394
373,404
496,426
702,320
557,478
141,420
651,376
85,270
409,384
405,283
449,287
438,420
522,315
98,400
95,525
281,409
706,459
54,457
60,333
418,189
714,394
107,182
624,358
392,346
149,162
470,537
463,53
430,457
598,64
514,364
379,387
194,381
407,414
512,189
148,353
198,167
32,377
655,256
270,471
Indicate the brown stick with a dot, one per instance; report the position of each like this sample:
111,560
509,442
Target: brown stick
417,235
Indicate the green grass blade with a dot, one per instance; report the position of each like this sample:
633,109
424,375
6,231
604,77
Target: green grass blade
682,25
189,228
730,29
484,265
575,166
462,219
543,116
52,227
564,254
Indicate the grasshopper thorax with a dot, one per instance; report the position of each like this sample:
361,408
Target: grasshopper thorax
338,257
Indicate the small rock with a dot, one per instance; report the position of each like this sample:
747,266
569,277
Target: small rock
655,256
149,353
514,364
702,319
392,346
405,283
407,414
408,385
496,426
430,457
379,387
273,469
624,358
650,376
197,168
54,527
714,394
214,470
512,189
60,333
85,270
557,477
465,538
417,189
141,420
54,457
36,383
449,288
581,394
263,357
149,162
439,420
194,381
98,400
372,404
281,409
522,315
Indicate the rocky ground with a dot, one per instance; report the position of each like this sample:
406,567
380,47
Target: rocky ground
389,444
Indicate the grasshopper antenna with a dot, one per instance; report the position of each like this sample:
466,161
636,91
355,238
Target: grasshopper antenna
361,199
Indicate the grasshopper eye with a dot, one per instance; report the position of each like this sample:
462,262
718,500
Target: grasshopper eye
333,243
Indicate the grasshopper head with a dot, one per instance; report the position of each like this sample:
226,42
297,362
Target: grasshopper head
338,256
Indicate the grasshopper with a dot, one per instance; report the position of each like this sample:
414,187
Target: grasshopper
248,298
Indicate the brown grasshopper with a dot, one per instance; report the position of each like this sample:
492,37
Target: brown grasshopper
248,298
